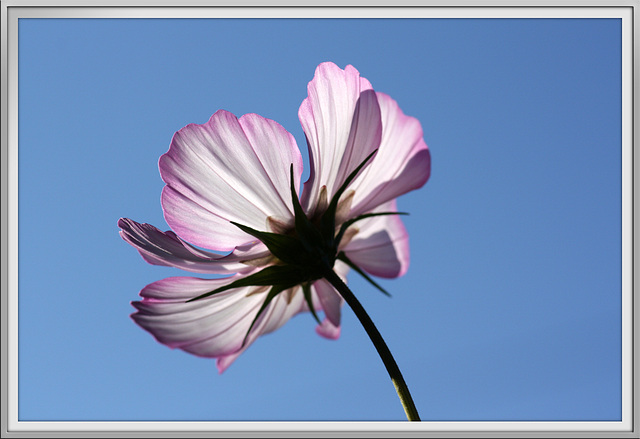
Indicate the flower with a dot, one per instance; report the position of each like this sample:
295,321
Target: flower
232,185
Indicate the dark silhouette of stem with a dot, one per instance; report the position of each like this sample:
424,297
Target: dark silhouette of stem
379,343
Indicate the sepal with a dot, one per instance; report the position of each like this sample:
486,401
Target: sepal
273,292
286,276
350,222
284,247
328,221
306,290
308,234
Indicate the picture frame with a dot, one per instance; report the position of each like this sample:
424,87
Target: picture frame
13,11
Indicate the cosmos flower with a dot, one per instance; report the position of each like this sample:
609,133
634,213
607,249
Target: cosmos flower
231,187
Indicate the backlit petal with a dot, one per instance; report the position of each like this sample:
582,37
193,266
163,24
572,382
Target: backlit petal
211,327
277,314
330,302
328,330
402,164
166,248
228,170
341,120
381,246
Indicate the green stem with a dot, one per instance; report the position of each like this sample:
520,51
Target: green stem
379,343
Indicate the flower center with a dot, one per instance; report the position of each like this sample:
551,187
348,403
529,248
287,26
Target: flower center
306,251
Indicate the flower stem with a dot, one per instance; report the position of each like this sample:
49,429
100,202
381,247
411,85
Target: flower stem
379,343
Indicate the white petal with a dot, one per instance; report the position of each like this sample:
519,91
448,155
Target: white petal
381,246
341,120
327,299
228,170
166,248
211,327
330,300
277,314
402,164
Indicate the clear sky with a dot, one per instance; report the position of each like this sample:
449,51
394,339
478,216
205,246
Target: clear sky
511,306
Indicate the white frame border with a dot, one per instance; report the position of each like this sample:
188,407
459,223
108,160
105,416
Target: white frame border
13,10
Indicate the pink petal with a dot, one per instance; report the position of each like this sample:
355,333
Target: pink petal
402,164
328,330
330,301
341,120
228,170
166,248
211,327
381,246
327,299
276,315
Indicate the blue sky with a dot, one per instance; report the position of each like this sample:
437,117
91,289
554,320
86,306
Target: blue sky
511,307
